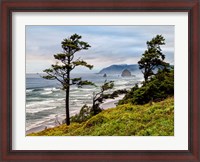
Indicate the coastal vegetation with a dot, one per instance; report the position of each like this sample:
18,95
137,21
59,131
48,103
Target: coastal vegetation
158,88
87,112
156,119
146,109
158,81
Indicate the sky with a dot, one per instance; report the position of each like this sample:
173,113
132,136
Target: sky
109,45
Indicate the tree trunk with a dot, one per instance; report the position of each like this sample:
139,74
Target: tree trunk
67,95
93,104
145,78
67,106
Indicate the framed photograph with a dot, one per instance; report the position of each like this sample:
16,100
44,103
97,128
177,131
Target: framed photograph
100,80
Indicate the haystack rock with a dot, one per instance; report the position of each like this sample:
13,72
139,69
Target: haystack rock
126,73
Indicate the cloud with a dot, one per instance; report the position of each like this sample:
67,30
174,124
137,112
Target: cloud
109,44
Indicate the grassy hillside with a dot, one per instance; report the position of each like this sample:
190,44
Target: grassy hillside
156,119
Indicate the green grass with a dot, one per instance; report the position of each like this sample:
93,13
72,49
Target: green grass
124,120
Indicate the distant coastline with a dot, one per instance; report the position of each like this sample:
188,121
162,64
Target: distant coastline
118,69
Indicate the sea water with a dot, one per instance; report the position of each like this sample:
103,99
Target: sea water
45,100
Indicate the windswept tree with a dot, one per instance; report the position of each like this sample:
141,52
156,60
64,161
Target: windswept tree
66,63
153,58
87,112
100,96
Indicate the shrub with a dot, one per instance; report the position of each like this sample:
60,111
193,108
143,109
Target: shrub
84,114
158,88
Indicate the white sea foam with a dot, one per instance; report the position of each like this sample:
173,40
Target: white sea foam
29,90
48,89
51,89
56,89
119,82
81,95
60,99
39,103
39,109
46,93
87,89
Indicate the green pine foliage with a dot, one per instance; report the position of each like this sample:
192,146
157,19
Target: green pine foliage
65,64
83,115
153,58
158,88
156,119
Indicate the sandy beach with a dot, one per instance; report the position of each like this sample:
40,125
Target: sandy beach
57,120
111,103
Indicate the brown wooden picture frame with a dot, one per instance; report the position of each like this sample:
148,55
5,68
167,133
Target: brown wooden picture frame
192,7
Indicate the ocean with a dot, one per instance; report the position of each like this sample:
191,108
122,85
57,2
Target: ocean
45,100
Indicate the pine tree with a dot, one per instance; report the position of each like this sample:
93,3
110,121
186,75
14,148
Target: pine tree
61,70
153,58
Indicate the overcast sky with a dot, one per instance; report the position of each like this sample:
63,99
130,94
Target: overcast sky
109,44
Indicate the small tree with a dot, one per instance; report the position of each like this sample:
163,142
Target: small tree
100,96
61,71
87,112
153,58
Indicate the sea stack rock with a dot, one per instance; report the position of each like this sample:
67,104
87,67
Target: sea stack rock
126,73
105,75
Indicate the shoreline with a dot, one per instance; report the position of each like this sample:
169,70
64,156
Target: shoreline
109,103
